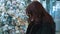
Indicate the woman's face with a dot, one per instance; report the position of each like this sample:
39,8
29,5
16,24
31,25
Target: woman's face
31,16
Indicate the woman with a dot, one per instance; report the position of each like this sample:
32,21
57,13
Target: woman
40,22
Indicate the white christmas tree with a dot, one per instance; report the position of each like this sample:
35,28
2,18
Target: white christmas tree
13,17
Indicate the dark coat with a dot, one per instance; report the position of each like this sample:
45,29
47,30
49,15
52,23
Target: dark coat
42,28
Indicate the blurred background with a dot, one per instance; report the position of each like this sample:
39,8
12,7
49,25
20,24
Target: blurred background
13,18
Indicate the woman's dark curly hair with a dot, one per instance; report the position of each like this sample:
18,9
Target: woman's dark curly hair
36,11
